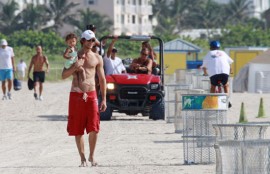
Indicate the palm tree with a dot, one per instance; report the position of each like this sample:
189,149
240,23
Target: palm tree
238,10
33,17
85,17
7,16
60,11
208,14
162,13
180,11
174,16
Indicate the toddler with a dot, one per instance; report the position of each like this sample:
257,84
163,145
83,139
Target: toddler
70,54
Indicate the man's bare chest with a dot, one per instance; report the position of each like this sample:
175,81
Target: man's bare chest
90,62
39,60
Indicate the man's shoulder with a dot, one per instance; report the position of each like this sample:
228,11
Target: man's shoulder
9,48
118,59
97,55
136,59
34,56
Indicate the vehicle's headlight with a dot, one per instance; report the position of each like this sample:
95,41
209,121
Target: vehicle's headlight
154,86
110,86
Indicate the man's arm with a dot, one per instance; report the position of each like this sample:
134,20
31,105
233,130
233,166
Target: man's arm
205,71
30,67
68,72
102,82
204,65
12,58
134,65
147,68
13,63
47,64
109,51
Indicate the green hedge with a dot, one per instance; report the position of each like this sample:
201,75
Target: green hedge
51,42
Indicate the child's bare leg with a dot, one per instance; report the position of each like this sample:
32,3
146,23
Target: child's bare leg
82,74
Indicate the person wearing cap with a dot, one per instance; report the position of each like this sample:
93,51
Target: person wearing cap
95,48
217,64
37,62
83,112
6,68
112,63
93,28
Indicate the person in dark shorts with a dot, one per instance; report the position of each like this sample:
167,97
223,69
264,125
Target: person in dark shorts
39,76
38,61
217,64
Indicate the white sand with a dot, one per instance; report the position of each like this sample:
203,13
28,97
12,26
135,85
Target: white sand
33,138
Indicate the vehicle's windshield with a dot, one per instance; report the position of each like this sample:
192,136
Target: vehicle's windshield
136,56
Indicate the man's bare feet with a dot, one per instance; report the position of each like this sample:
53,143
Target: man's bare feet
83,164
93,162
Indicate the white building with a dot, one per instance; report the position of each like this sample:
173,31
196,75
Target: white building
128,16
257,7
22,3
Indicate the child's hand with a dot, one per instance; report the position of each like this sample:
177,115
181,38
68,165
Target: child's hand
80,69
79,63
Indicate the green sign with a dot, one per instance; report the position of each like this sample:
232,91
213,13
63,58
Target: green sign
204,102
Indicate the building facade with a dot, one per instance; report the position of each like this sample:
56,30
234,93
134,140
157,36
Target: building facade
129,16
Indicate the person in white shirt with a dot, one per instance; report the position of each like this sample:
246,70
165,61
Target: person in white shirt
21,67
112,63
6,68
217,64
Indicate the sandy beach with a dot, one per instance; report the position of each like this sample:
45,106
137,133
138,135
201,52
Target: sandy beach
33,137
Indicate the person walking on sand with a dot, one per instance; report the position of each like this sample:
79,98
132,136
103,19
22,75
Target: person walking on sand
83,112
38,62
21,67
6,68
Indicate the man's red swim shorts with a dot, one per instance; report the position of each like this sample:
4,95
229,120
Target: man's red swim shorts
83,113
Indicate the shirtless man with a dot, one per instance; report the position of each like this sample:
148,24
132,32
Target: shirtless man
83,111
38,61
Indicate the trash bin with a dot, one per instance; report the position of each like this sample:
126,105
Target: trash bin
199,113
171,100
242,149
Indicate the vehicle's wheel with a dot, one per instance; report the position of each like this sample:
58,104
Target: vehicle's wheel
107,115
132,112
145,114
158,111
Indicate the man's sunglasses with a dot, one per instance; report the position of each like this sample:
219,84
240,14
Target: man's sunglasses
144,54
91,40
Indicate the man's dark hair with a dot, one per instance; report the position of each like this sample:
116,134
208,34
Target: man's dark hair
91,27
114,50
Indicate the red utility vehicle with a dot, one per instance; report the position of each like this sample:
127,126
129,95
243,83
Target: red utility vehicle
133,93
